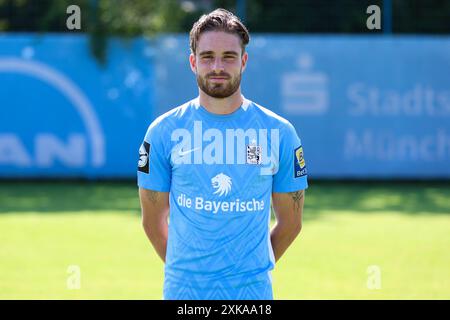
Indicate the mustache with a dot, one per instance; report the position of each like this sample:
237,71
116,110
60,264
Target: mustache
222,75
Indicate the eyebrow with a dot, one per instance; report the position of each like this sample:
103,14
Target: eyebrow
205,53
234,53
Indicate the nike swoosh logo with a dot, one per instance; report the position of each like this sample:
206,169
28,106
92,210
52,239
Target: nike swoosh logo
182,153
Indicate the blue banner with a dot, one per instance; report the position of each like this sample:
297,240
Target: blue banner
64,115
373,107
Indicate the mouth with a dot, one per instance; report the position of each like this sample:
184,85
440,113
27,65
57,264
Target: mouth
221,77
218,79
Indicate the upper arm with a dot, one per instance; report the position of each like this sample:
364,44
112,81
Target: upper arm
291,171
288,207
154,176
154,165
154,204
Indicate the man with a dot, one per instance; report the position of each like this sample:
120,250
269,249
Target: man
214,163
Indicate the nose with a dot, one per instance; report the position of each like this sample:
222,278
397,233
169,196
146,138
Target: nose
218,65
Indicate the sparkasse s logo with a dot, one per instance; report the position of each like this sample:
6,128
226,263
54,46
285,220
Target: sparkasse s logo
51,128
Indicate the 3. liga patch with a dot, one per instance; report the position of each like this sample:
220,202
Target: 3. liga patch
299,163
144,153
253,154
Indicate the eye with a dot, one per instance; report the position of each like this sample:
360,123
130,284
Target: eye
229,57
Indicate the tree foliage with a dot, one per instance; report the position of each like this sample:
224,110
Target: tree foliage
102,19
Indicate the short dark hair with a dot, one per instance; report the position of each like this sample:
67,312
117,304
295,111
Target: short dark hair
218,20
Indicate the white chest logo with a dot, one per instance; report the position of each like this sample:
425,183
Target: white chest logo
222,184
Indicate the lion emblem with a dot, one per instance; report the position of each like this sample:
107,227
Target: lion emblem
222,183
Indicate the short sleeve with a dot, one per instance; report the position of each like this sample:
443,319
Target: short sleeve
154,168
291,175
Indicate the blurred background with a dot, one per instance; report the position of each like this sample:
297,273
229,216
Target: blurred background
365,83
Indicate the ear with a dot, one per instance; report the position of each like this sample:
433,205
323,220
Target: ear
244,60
193,63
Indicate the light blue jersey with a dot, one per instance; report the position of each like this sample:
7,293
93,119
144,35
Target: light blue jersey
220,171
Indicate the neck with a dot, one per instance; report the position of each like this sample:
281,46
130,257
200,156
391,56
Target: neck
221,106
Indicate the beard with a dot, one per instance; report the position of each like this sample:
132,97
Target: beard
219,90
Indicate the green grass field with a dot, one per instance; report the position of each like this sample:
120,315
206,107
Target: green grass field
402,228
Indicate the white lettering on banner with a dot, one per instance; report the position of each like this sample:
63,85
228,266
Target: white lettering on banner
305,91
13,152
214,206
421,100
192,149
48,150
78,100
387,146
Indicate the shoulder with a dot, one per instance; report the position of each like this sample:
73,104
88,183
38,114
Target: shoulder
271,118
171,118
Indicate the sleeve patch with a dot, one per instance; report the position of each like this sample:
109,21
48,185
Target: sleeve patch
144,155
299,163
